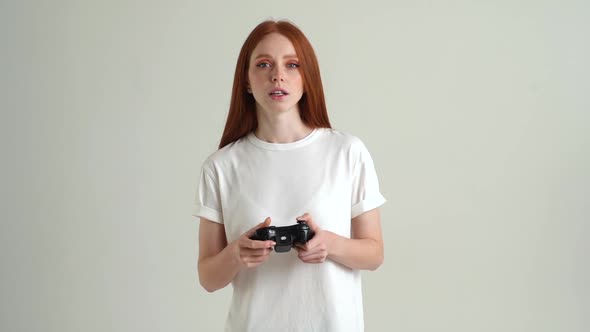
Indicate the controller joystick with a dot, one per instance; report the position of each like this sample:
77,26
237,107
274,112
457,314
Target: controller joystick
285,237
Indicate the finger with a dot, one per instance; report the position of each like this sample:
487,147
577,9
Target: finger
310,253
304,247
309,221
311,244
306,216
255,244
255,252
254,262
318,249
300,246
316,261
313,257
265,223
249,260
260,258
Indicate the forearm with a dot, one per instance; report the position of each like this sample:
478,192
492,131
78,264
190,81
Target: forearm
357,254
216,272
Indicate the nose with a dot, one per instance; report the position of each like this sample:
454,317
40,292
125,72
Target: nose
278,75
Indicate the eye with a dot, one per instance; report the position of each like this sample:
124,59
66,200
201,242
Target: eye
263,65
293,65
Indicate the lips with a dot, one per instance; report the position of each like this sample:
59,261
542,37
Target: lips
277,92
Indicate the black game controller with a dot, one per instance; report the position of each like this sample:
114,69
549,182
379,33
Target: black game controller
285,237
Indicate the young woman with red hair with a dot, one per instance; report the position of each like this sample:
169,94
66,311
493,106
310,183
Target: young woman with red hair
279,158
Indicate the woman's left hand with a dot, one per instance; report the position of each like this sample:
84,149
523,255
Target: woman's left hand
317,249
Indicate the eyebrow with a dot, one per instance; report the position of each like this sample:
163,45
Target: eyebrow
288,56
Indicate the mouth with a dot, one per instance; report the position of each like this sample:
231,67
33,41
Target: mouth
278,92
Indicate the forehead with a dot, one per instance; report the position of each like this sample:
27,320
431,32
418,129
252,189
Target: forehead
275,45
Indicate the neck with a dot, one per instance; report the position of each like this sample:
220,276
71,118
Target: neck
281,128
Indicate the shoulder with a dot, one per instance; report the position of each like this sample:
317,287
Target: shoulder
351,148
344,141
224,156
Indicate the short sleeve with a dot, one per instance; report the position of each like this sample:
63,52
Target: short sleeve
365,185
208,202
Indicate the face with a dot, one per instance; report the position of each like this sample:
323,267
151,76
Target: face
273,76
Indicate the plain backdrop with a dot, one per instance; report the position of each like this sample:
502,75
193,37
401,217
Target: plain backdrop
476,114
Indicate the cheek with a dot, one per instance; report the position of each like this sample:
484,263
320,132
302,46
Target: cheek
255,78
250,77
298,80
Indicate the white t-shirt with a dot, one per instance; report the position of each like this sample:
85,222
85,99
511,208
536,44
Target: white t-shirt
329,174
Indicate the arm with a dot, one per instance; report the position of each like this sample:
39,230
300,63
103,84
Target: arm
217,266
219,263
363,251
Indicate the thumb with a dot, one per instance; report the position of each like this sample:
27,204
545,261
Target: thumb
265,223
309,221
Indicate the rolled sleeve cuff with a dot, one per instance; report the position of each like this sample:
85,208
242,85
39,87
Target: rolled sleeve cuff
208,213
367,204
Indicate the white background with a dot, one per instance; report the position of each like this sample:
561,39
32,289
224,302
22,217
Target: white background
476,115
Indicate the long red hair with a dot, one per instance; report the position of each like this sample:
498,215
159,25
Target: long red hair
241,119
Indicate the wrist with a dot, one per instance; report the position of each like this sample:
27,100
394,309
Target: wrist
332,242
234,253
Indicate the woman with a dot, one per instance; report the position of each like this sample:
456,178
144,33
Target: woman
279,161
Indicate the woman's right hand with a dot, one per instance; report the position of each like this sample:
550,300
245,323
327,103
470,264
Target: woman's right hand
251,253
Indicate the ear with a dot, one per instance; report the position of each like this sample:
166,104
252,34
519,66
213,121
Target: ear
248,88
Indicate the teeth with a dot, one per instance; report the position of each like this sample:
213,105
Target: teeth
278,93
